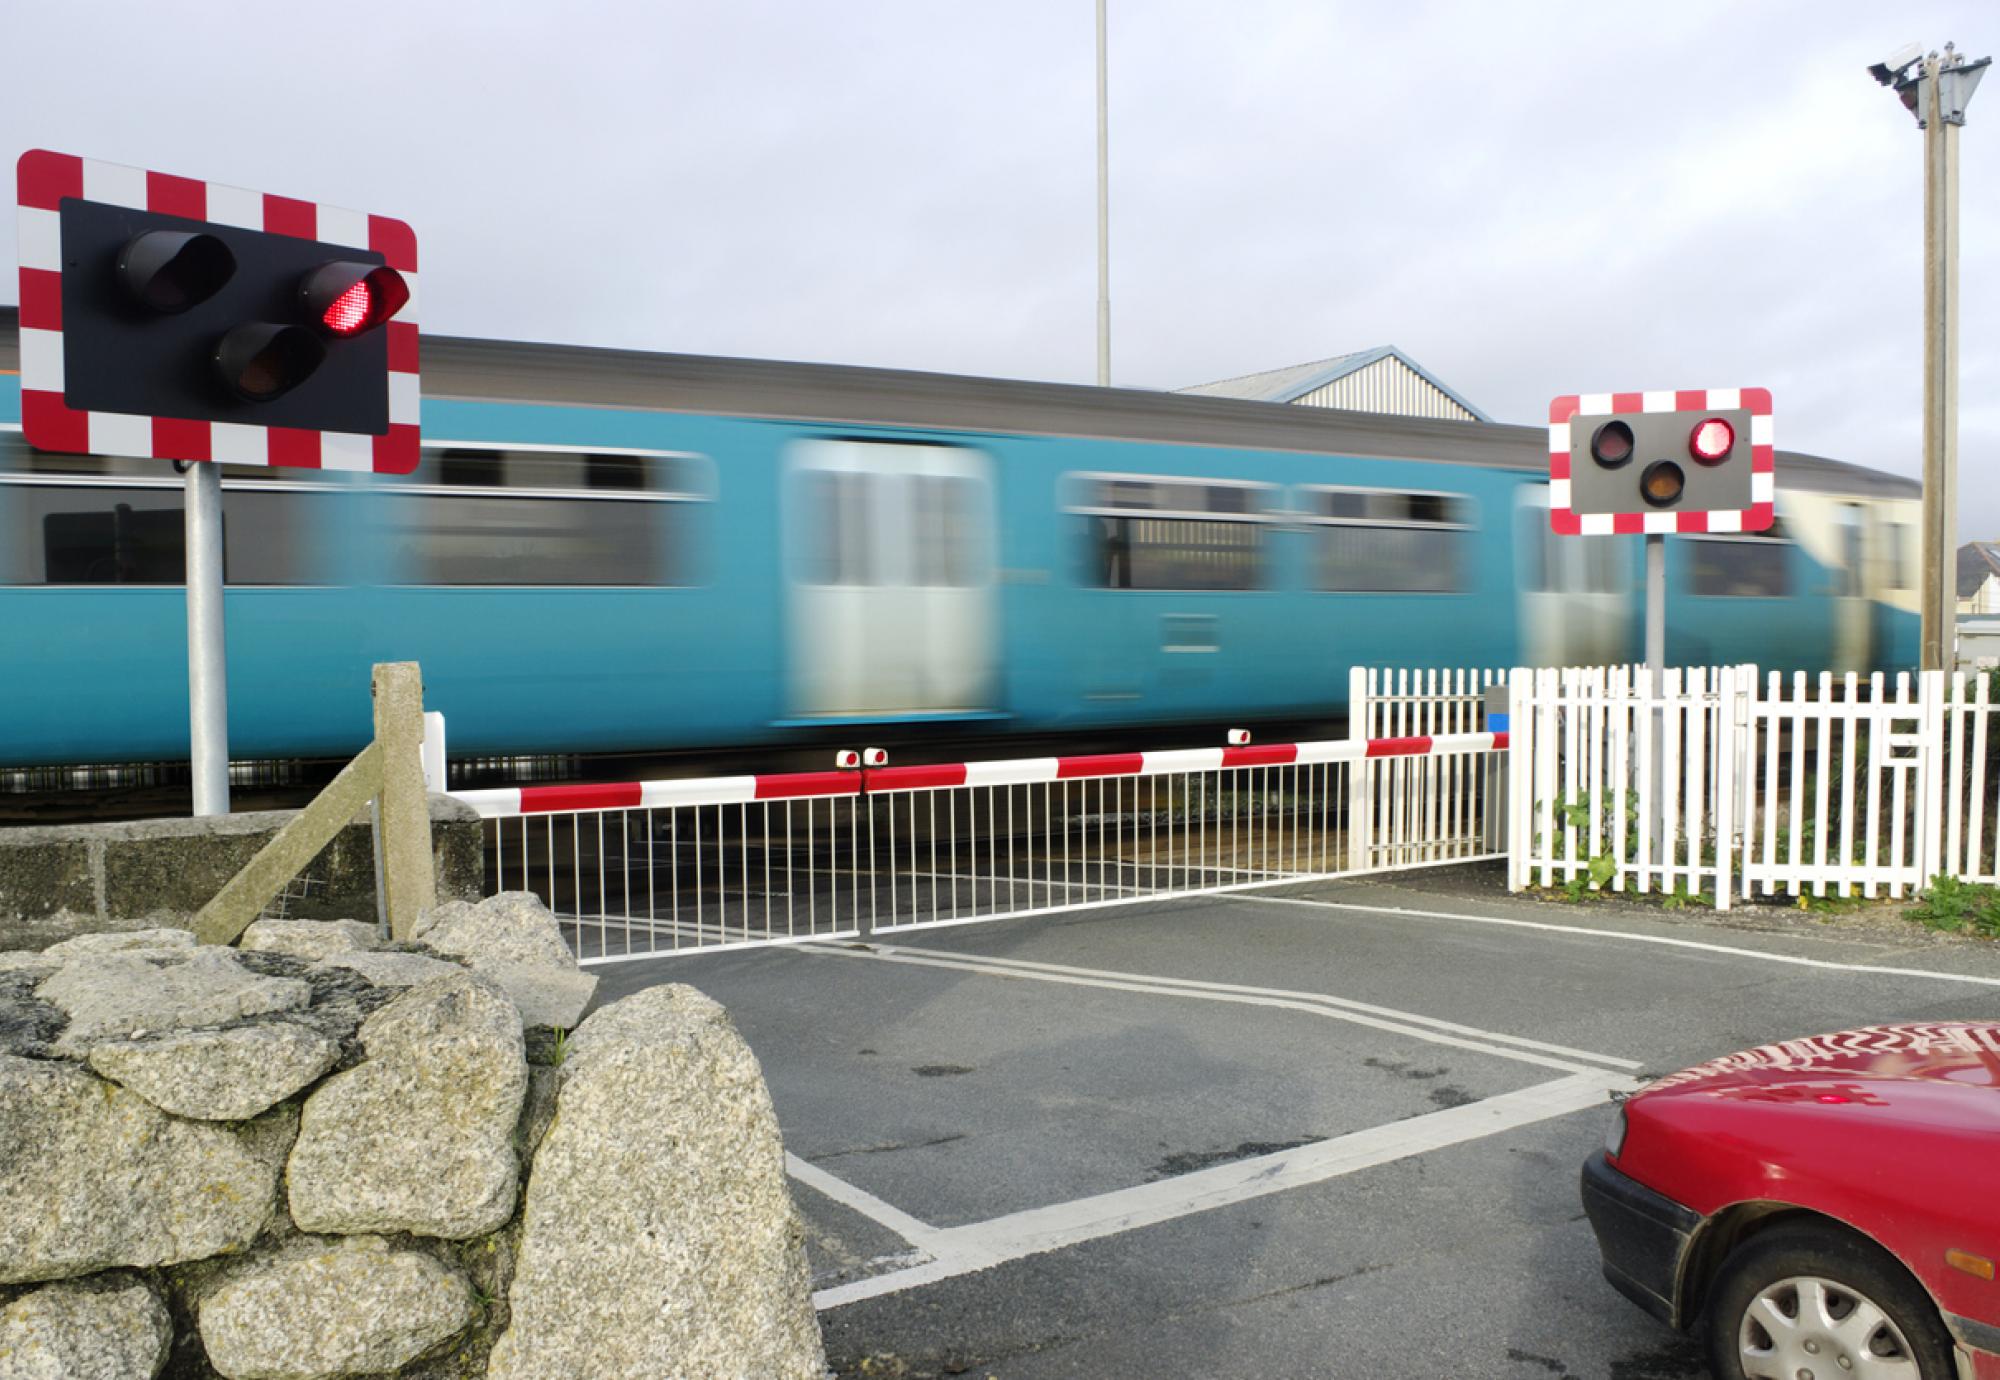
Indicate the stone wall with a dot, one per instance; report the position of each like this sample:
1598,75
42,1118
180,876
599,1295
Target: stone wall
314,1156
57,881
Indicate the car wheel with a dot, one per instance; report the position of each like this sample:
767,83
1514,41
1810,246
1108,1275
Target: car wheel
1812,1302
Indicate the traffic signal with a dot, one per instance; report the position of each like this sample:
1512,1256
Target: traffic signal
1687,461
162,316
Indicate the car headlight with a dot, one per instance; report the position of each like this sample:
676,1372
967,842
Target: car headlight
1614,1138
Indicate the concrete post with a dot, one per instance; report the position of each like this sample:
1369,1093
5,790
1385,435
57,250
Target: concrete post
409,884
1940,602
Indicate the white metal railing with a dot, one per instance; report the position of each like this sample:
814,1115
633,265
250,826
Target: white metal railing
1731,783
647,868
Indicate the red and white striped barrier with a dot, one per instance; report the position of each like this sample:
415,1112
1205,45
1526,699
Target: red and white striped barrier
510,802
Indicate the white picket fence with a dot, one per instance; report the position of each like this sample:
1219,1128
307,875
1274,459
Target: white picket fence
1727,785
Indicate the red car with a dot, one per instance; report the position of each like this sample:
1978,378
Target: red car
1830,1206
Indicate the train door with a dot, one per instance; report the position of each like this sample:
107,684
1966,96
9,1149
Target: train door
1576,593
1853,606
890,589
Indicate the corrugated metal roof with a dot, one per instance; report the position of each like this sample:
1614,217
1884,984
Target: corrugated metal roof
1294,381
1976,561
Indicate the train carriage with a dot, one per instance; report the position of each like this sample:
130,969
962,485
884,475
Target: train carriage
614,551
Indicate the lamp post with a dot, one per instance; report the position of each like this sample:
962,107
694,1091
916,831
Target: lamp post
1936,89
1103,215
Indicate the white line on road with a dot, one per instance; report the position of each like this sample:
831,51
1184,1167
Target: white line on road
1316,998
922,1235
1478,1041
982,1245
1581,932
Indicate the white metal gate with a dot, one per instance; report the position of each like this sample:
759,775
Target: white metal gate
1728,783
1842,784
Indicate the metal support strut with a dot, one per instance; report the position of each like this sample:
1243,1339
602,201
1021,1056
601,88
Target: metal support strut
208,685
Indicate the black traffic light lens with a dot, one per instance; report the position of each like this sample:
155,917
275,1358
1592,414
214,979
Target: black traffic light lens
169,271
1611,446
348,299
261,361
1662,483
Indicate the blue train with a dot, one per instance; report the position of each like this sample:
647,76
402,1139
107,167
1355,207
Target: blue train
609,551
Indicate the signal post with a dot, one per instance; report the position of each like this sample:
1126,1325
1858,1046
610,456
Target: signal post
1654,463
204,324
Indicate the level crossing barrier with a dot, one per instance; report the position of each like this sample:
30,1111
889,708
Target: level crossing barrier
641,869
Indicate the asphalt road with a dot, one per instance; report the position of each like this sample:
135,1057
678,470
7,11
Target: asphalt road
1332,1131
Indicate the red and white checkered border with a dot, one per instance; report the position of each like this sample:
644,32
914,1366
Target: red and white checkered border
510,802
44,179
1763,462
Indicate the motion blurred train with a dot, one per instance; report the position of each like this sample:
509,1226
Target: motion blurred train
611,551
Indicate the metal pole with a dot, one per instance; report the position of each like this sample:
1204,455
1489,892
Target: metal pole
208,686
1103,214
1940,607
1656,610
1656,672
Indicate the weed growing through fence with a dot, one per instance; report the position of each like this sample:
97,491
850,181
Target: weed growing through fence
1957,907
1618,828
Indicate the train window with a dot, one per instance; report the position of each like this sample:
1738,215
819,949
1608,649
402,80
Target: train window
96,519
1187,534
837,548
945,530
63,534
1755,565
472,516
614,472
1533,528
471,469
1389,542
1582,565
1896,556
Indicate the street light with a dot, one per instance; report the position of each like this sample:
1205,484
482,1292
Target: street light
1936,89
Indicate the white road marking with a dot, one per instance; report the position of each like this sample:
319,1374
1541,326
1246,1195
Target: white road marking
1479,1041
1734,951
982,1245
919,1234
1317,998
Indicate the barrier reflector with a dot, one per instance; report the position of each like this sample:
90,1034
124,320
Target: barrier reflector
1267,755
916,778
806,783
1103,764
542,799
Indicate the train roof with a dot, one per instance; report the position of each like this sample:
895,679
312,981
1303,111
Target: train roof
511,371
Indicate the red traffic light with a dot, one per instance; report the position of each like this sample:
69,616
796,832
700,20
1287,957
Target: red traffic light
347,299
1711,441
168,271
350,311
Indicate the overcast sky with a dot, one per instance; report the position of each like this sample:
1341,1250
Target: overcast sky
1529,198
